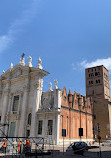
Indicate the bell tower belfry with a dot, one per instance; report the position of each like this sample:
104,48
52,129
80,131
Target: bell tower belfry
97,82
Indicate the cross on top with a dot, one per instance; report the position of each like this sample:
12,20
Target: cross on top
23,54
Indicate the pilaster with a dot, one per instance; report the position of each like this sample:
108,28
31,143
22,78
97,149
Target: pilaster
58,128
24,111
5,106
37,88
7,113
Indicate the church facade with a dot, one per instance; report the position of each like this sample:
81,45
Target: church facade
30,112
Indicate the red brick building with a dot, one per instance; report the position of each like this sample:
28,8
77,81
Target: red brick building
76,112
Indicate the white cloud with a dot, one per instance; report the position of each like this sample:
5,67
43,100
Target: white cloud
73,67
18,26
5,40
106,62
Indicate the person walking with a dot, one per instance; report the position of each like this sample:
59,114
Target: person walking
27,143
19,146
27,147
5,145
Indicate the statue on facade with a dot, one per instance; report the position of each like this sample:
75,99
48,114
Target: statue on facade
3,71
56,82
23,54
30,61
11,66
50,86
39,63
22,61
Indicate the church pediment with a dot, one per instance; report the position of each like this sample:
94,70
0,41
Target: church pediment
19,70
15,72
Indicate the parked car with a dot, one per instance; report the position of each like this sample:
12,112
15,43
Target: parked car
75,146
106,143
79,146
69,147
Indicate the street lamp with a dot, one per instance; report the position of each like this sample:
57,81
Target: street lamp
86,115
80,106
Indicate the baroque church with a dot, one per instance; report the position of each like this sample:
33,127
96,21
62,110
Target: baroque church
30,112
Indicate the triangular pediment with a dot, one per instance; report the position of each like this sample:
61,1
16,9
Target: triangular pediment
14,72
19,70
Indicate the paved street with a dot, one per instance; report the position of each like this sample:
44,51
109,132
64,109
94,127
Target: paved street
91,153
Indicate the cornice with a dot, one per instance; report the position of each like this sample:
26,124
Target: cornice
77,110
48,112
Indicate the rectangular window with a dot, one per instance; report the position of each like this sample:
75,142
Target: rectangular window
50,127
15,103
40,127
12,129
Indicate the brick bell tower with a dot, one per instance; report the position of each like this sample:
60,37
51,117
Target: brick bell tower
98,87
97,82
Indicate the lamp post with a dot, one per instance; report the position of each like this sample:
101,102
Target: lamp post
86,115
80,105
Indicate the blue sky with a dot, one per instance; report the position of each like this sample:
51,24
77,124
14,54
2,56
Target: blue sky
68,35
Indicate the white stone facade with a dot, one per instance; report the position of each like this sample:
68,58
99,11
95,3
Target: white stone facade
23,105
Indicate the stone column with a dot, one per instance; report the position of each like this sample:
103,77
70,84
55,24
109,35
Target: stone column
36,104
23,112
4,109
